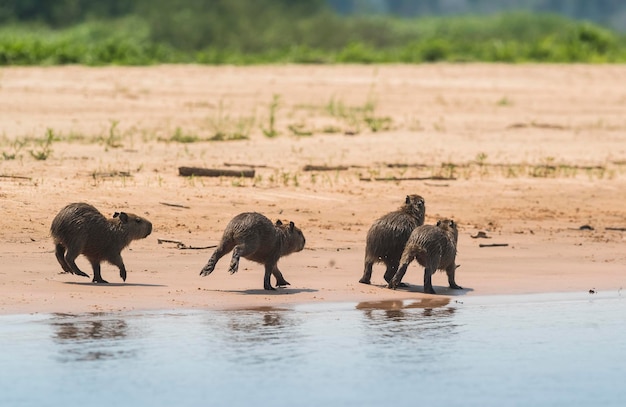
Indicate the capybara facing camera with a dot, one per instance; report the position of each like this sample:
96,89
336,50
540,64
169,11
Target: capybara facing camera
80,228
253,236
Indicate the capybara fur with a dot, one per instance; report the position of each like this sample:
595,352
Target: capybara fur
387,236
434,247
79,228
254,237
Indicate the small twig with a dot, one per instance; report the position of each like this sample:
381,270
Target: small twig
434,178
15,177
246,165
161,241
400,165
111,174
175,205
181,246
493,245
617,229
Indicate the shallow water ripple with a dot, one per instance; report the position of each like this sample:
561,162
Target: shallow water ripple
530,350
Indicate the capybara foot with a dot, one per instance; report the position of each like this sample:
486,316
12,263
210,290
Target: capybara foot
81,273
206,271
456,286
429,290
269,288
99,281
364,280
282,283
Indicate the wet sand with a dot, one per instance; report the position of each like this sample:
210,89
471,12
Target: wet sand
536,152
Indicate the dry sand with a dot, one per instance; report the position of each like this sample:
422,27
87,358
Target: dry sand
551,140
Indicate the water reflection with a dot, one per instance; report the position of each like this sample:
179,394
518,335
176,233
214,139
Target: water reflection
88,337
272,333
414,324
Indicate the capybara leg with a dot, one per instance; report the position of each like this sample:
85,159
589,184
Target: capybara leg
391,271
241,250
97,277
280,280
120,264
266,279
234,262
395,281
428,282
217,255
367,274
60,253
70,258
451,271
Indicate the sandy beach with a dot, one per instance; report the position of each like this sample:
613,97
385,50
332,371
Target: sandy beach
527,154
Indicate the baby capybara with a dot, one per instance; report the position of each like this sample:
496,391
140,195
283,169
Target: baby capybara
79,228
387,236
254,237
434,247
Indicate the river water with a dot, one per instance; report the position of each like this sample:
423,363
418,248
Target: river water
532,350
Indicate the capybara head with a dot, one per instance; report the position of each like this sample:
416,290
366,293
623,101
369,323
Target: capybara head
415,205
448,225
293,238
133,226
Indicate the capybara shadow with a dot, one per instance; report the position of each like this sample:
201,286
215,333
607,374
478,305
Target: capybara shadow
282,291
253,236
117,284
80,228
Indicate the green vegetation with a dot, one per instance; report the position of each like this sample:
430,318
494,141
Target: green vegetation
237,32
271,131
43,147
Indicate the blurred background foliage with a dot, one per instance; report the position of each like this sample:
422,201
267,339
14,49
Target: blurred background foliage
139,32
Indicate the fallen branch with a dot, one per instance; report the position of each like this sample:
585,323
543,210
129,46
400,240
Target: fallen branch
181,246
434,178
493,245
175,205
210,172
616,229
325,168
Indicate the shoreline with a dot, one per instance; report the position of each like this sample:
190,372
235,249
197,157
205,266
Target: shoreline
530,154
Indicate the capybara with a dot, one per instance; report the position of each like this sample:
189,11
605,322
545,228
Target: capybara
434,247
254,237
79,228
388,235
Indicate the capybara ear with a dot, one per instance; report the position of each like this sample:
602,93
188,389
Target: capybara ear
278,222
123,217
116,214
452,225
438,223
408,200
291,226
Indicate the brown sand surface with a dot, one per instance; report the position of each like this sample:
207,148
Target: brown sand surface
535,152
